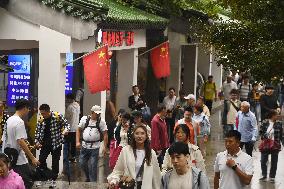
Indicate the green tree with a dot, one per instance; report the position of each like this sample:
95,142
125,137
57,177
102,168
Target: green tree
252,40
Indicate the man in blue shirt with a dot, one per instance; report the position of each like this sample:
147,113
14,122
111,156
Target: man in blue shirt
247,127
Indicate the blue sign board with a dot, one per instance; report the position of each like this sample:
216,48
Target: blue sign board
69,74
19,80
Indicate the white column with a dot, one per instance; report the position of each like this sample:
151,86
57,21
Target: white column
90,99
175,61
217,73
195,69
203,61
127,75
51,82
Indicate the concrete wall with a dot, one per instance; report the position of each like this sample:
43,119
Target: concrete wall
189,61
203,63
175,60
13,27
52,49
216,71
12,44
127,75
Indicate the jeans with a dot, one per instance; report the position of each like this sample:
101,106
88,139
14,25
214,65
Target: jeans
209,103
44,152
26,173
93,156
274,161
256,109
248,146
69,146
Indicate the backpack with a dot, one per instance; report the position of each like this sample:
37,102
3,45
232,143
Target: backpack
168,174
97,126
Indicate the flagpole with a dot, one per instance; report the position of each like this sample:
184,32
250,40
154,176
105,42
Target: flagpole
67,63
151,49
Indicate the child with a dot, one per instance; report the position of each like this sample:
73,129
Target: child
8,178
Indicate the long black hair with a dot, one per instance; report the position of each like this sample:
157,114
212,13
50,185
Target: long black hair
148,151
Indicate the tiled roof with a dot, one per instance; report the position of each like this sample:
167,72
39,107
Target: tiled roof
83,9
108,14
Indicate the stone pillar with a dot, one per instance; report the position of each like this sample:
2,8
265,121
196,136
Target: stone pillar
127,61
217,74
175,62
51,81
189,62
90,99
203,62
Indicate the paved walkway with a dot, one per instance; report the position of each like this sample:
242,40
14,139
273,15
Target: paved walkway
215,145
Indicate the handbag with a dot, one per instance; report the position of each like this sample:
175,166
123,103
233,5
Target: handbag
113,159
268,145
133,183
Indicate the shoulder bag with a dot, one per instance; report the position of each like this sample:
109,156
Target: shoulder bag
268,145
133,182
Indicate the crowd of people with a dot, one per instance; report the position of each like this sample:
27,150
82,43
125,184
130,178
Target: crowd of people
164,150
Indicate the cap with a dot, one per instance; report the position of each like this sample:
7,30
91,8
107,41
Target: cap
97,109
190,96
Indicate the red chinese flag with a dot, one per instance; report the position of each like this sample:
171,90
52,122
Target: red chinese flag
160,60
97,70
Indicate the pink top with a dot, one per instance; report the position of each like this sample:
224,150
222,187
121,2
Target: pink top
12,181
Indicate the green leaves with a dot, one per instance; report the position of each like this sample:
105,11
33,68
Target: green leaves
254,41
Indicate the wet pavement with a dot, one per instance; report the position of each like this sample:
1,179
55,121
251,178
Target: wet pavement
215,145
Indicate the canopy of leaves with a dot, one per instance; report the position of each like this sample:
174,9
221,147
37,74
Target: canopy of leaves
253,40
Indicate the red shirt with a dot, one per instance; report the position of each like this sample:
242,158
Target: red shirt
159,134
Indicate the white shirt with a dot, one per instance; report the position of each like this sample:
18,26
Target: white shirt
91,133
228,177
270,130
227,87
72,115
169,102
15,130
123,138
139,160
232,113
136,97
180,181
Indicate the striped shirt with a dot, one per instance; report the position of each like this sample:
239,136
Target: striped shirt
244,90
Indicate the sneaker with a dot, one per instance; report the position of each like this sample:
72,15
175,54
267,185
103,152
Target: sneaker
272,180
263,179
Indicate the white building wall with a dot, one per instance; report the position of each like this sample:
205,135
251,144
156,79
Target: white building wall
127,75
175,60
12,27
51,89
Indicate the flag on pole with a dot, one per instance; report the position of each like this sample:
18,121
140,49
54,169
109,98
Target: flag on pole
97,70
160,60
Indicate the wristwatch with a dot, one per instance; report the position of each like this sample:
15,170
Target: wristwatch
234,167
